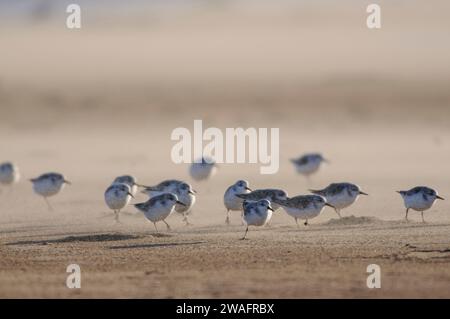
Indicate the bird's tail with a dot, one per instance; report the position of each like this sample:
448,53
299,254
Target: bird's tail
315,191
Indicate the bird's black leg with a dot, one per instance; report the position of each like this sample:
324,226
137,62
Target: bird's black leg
245,235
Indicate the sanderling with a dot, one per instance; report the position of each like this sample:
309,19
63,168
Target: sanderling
204,170
304,206
308,164
271,195
9,174
186,195
129,180
419,198
158,208
231,201
183,190
167,186
49,184
117,196
340,195
256,213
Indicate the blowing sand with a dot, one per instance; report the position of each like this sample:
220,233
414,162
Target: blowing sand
103,102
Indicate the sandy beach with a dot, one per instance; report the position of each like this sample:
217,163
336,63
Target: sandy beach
102,102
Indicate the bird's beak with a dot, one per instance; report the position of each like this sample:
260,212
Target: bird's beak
329,205
192,192
67,182
326,161
180,203
130,194
439,197
270,208
248,188
362,193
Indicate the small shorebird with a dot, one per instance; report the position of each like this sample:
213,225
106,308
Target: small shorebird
256,213
304,206
186,195
272,195
9,174
203,170
419,198
167,186
158,208
308,164
49,184
231,201
183,190
340,195
129,180
117,196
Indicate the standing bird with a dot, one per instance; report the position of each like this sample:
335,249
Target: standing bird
340,195
9,174
308,164
186,195
256,214
272,195
304,206
130,181
203,170
49,184
158,208
117,196
419,198
183,190
231,201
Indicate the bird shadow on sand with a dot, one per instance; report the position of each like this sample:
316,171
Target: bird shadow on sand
367,222
155,245
73,239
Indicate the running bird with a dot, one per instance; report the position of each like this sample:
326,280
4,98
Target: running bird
256,213
9,173
419,198
117,196
308,164
231,201
130,181
271,195
340,195
158,208
203,170
48,185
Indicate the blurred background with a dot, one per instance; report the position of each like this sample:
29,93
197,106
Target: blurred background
103,100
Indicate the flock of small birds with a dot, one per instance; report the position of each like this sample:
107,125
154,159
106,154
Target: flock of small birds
256,206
